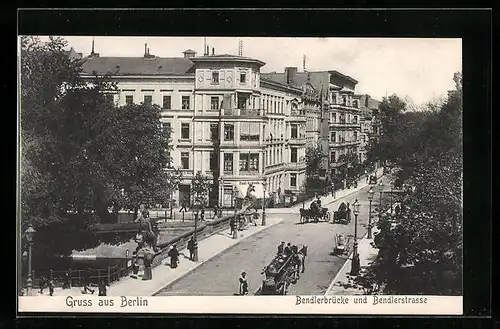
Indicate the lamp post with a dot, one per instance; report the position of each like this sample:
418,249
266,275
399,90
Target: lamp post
30,232
355,265
236,220
264,185
381,190
370,198
195,246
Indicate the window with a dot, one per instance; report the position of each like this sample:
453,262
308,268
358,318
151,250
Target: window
355,135
356,119
294,131
293,154
243,77
333,158
344,100
215,78
185,160
148,99
249,131
167,102
333,136
293,180
169,160
242,103
228,132
214,131
185,102
185,130
249,161
228,162
129,99
214,159
214,103
355,104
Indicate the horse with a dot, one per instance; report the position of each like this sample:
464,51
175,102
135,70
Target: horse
305,214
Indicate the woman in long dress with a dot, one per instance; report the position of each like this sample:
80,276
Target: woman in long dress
174,257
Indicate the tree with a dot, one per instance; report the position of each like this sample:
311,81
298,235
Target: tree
314,158
80,154
200,186
423,252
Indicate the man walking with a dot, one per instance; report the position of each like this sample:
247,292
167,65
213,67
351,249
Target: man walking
43,281
232,225
184,206
67,281
243,284
174,256
51,287
190,247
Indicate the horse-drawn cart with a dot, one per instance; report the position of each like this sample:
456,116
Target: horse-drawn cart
342,215
282,272
315,215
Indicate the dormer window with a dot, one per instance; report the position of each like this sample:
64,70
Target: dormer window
215,78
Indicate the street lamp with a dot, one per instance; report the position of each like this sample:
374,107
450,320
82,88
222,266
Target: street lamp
355,265
30,232
370,198
264,185
195,246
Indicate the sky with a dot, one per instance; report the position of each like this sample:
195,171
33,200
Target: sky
417,69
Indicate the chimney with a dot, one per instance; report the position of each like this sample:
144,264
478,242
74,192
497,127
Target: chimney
145,49
213,51
93,53
207,51
366,100
290,74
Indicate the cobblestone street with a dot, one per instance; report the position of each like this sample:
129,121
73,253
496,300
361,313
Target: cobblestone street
219,276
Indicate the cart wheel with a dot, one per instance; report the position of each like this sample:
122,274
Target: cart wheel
327,217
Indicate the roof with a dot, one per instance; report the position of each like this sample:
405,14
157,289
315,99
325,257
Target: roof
343,76
227,57
280,84
189,51
138,65
300,78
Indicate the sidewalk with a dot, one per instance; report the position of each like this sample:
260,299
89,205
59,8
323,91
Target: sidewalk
163,275
326,200
367,254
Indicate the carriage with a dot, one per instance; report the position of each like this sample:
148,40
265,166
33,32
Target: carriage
282,272
314,215
342,215
341,245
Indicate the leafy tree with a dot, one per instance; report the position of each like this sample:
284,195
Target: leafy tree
422,253
80,154
200,186
314,158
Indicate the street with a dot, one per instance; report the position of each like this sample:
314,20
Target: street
219,276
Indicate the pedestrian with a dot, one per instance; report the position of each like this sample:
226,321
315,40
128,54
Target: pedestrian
184,206
281,248
202,214
174,256
86,281
243,284
103,288
42,284
232,226
288,249
51,287
190,247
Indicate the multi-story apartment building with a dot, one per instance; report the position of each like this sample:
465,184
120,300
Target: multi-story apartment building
338,121
225,121
368,106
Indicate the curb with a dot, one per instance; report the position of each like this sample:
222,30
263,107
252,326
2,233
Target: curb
209,258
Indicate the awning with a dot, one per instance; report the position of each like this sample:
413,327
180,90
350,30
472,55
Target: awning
258,190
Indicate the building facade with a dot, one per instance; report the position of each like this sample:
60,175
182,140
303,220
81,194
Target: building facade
224,120
368,106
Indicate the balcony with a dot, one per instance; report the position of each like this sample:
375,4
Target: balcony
296,165
297,141
242,112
